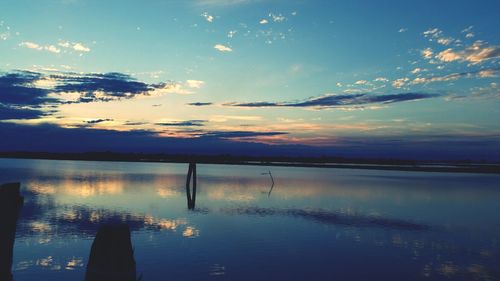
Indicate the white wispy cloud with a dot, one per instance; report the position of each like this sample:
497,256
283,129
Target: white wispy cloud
38,47
208,17
277,17
52,49
468,32
76,46
263,21
224,2
432,32
222,48
381,79
403,29
445,41
195,83
31,45
361,82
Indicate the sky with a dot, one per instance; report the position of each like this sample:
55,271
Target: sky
399,79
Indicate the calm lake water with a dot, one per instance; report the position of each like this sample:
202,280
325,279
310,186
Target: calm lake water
315,224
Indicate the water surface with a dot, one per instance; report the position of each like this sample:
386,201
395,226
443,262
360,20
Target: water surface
314,224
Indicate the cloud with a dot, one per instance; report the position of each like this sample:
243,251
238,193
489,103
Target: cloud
341,100
445,41
468,32
135,123
224,2
31,45
427,53
478,52
79,47
200,103
208,17
361,82
484,73
401,30
188,123
52,49
19,99
51,138
417,70
401,82
432,32
12,112
240,134
381,79
40,91
263,21
195,83
102,86
76,46
97,121
222,48
277,17
448,55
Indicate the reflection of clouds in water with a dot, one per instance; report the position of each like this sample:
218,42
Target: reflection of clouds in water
190,232
38,226
217,270
43,188
165,192
166,224
329,217
51,263
74,263
448,269
225,194
86,188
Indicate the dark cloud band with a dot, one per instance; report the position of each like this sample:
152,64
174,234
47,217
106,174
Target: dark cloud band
343,100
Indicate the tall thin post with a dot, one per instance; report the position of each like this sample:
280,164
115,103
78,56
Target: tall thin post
191,198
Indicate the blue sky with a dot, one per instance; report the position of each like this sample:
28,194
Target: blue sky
334,74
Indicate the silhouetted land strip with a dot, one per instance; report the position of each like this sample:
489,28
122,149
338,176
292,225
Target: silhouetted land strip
464,166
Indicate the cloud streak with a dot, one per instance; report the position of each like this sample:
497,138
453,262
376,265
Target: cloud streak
187,123
200,103
340,100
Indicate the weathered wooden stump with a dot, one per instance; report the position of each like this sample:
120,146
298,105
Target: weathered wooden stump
111,256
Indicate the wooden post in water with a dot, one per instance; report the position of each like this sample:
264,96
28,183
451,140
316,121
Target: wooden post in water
191,198
11,203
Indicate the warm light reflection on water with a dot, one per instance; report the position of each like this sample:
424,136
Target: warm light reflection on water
315,224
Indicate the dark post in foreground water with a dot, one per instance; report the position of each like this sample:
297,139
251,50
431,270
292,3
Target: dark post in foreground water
11,203
111,256
191,198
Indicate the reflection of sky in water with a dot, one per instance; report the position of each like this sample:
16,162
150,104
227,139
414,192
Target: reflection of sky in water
317,223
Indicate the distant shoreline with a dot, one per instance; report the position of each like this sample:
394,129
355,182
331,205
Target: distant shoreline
319,162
